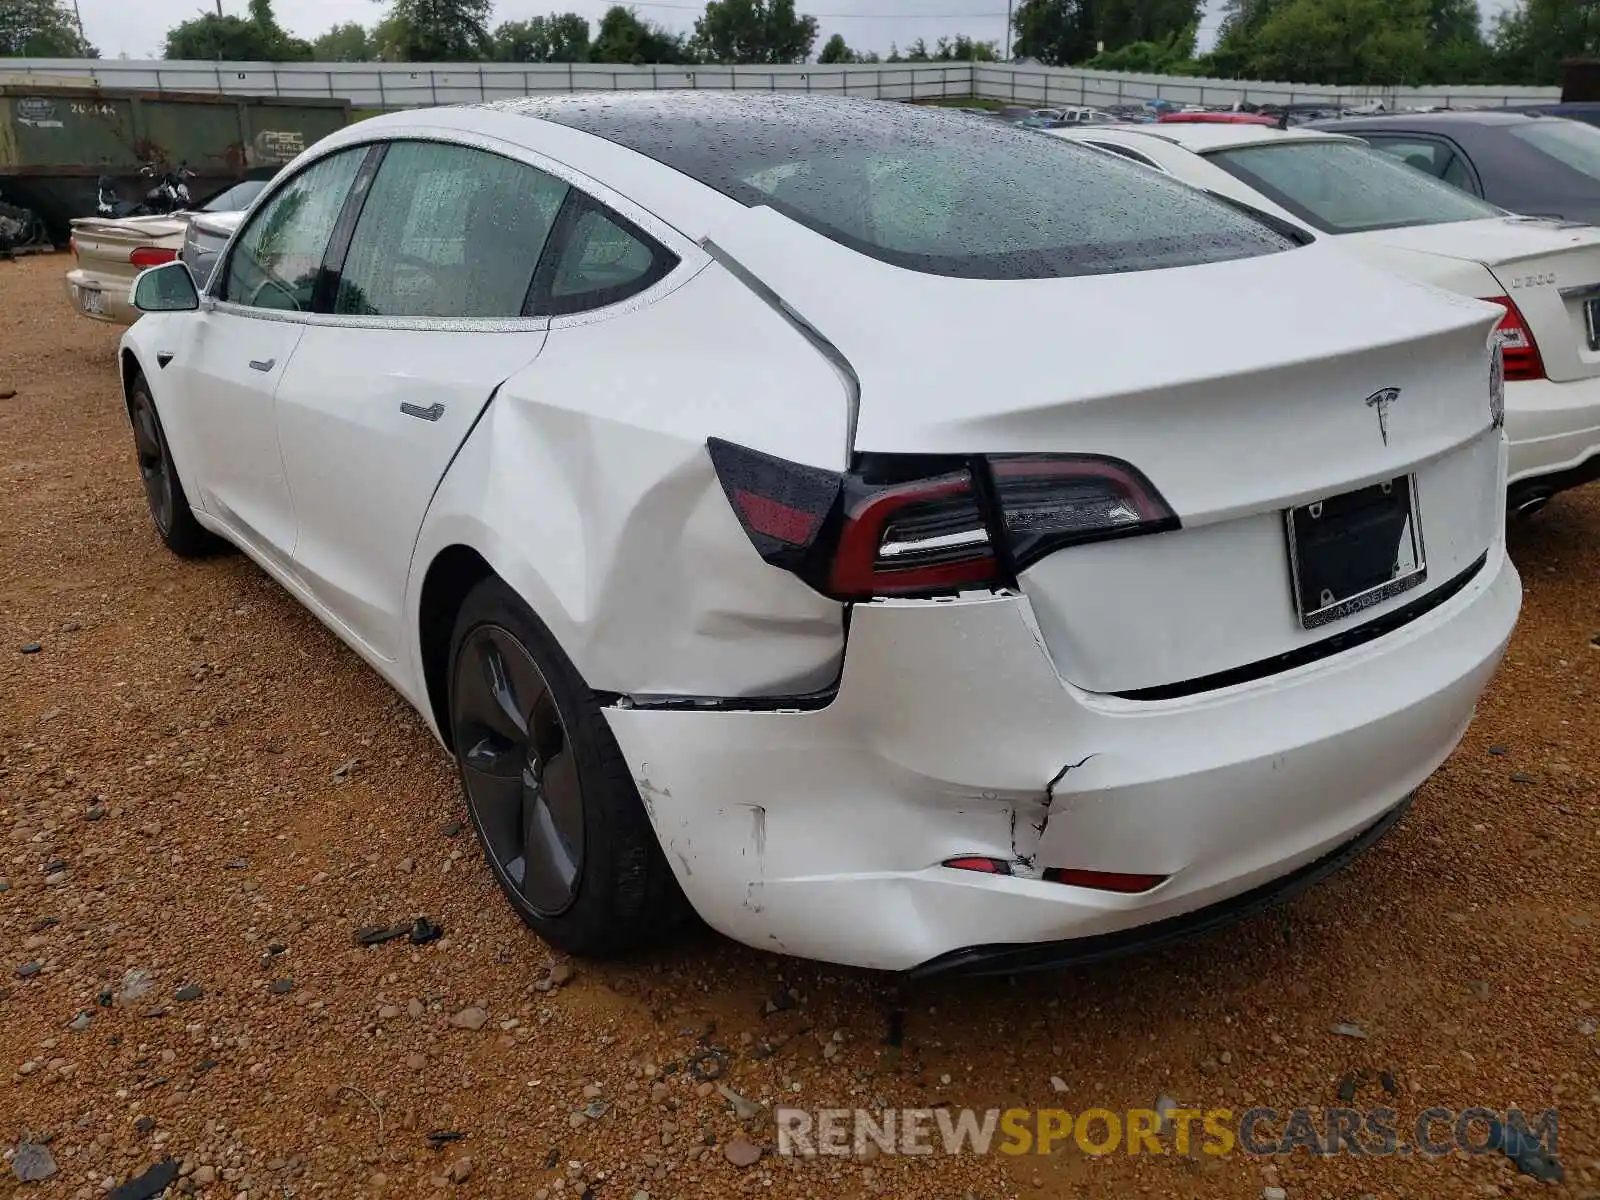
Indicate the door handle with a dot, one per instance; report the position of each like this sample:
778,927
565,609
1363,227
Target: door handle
432,413
257,364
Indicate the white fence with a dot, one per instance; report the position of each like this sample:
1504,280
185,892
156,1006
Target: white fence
402,85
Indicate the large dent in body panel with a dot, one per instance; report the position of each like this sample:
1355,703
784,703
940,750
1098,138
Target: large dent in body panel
588,487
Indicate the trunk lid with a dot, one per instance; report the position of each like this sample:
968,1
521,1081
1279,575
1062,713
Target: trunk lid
1235,404
1549,268
103,245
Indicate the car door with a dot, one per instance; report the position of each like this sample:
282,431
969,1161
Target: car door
239,345
423,320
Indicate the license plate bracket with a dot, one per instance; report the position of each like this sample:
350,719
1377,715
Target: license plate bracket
1354,550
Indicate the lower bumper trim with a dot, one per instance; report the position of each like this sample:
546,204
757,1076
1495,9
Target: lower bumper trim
1016,958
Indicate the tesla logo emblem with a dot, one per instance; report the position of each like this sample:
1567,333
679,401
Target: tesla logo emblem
1381,401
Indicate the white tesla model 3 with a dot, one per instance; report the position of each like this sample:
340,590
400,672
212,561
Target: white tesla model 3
780,503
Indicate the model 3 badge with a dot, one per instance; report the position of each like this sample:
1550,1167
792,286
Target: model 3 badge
1381,401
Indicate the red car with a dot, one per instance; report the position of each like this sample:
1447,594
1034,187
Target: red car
1215,118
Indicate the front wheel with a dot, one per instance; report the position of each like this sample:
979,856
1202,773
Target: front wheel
163,491
549,793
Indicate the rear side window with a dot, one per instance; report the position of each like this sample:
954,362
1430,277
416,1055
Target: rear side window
1348,187
929,191
449,232
1569,142
278,257
597,257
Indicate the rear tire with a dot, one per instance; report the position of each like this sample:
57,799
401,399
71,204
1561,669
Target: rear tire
163,490
550,795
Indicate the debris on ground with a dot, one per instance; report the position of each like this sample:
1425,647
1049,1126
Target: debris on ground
149,1184
32,1162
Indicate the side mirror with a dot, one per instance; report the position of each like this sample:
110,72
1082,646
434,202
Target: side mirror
167,288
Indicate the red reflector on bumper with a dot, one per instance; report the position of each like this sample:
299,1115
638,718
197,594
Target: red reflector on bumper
986,866
1102,881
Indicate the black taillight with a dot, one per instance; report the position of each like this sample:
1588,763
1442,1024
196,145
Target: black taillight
1055,500
906,525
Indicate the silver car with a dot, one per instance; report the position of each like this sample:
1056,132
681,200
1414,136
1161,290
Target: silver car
203,243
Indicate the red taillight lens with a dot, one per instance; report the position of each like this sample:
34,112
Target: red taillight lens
984,866
906,525
907,539
151,256
1103,881
72,244
1516,342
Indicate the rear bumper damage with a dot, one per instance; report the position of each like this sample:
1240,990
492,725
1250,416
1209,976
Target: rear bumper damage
821,832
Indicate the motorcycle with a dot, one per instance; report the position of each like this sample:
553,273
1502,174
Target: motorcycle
169,195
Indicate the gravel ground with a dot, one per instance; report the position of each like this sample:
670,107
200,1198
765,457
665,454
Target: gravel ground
203,795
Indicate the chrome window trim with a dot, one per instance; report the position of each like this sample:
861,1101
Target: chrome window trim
692,259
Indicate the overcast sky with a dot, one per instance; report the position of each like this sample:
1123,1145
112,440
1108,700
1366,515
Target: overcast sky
137,30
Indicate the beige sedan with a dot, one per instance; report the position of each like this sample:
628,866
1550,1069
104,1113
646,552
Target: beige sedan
109,252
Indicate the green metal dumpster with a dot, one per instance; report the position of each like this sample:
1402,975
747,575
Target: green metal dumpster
55,142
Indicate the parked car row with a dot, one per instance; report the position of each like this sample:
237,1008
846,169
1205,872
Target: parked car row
109,252
691,463
1544,274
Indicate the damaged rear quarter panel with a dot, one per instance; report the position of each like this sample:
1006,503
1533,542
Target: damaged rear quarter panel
588,488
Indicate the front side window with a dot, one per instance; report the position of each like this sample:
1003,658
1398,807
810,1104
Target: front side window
277,259
1347,187
1571,143
448,231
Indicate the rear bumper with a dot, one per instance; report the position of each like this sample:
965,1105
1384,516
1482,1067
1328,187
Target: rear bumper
114,294
820,833
1005,959
1554,433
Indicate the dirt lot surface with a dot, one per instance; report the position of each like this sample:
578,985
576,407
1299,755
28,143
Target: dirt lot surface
203,795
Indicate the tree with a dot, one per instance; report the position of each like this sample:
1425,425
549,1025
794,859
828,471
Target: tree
563,38
754,31
1056,32
344,43
40,29
235,39
1172,55
834,50
1342,43
1122,24
624,38
436,30
1531,40
961,48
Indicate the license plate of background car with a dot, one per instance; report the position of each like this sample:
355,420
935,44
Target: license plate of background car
1354,550
1591,321
92,301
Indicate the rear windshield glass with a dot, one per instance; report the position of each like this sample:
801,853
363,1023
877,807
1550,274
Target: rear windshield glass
1569,142
927,190
236,198
1348,187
